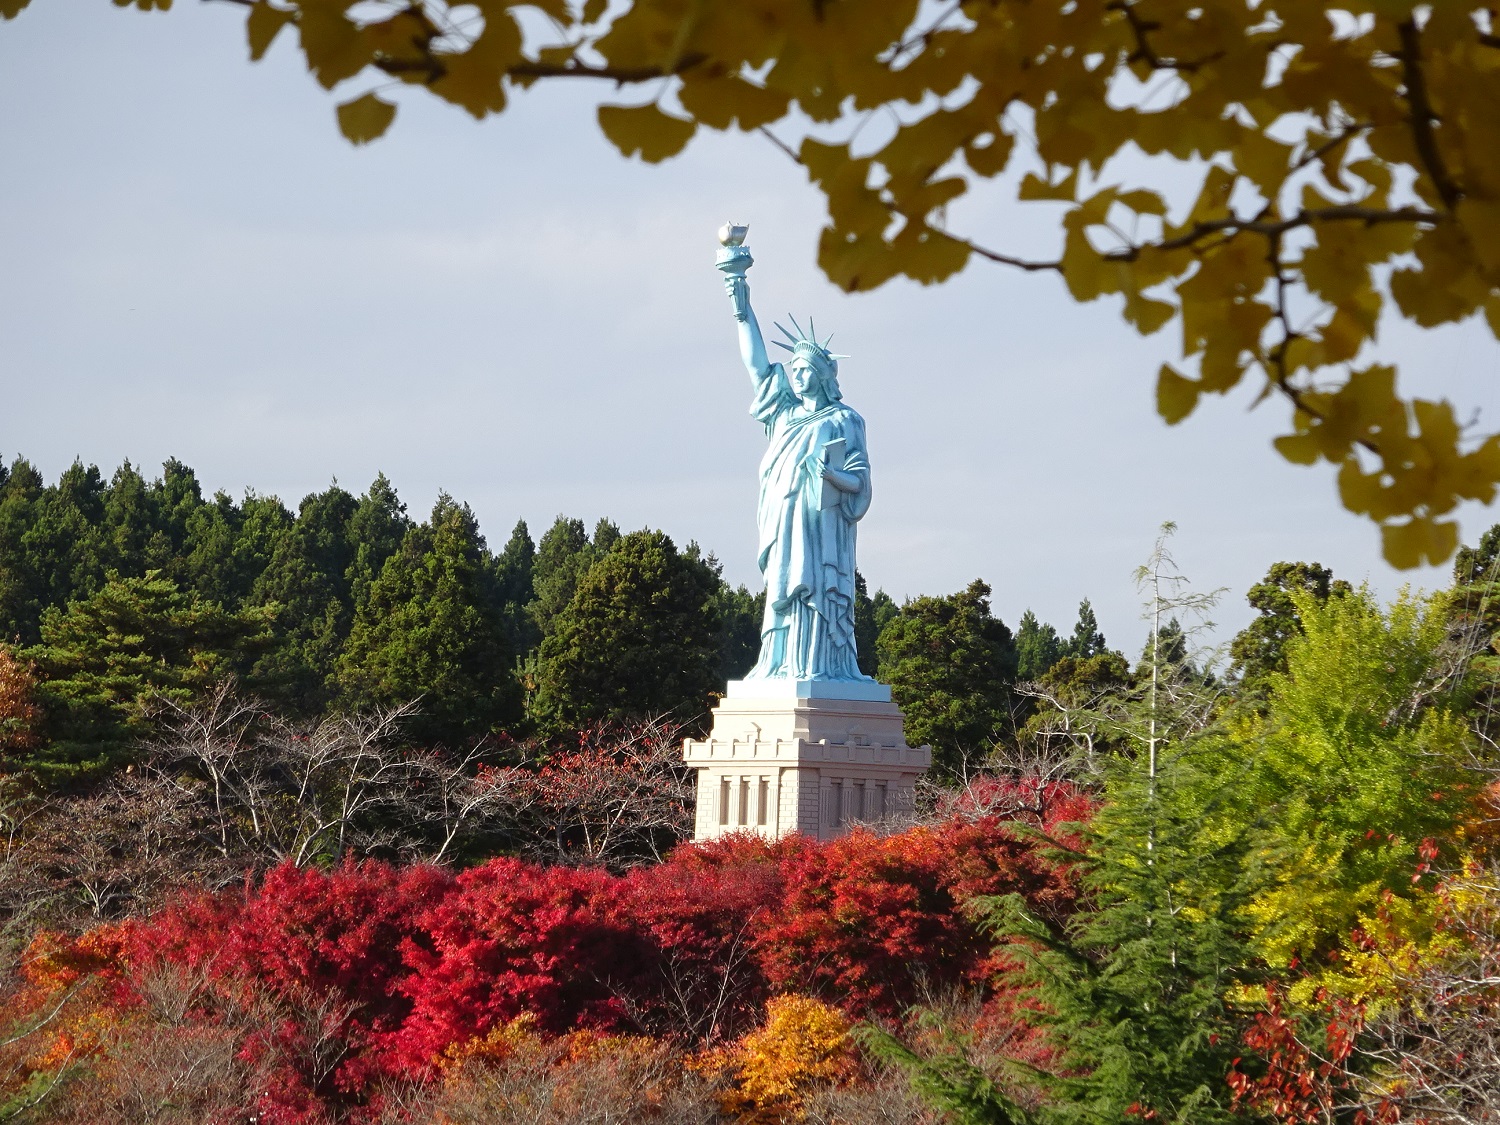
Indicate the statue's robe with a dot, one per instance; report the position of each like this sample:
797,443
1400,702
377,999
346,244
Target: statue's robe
806,550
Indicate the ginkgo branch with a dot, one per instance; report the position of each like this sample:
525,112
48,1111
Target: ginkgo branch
1423,116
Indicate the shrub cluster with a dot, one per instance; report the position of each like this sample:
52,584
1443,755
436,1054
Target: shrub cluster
337,987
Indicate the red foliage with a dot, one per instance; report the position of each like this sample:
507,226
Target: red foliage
1300,1085
379,972
558,942
874,924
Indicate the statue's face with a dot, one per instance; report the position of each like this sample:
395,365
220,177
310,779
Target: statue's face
801,376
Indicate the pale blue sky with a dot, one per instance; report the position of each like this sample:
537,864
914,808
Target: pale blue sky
194,264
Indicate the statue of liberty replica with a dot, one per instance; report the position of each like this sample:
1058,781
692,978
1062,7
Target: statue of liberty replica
806,742
814,489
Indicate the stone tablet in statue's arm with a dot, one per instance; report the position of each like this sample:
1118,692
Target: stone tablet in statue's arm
833,456
835,453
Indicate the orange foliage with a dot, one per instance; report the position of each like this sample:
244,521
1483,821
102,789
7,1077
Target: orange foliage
803,1045
19,712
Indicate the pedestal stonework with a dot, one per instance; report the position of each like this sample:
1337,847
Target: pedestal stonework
804,756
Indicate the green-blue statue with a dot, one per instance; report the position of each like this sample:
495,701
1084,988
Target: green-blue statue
814,488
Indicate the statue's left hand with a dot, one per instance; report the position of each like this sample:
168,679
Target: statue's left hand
844,482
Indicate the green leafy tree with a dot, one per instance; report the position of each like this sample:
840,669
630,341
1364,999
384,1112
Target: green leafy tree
1136,989
950,663
1038,647
105,661
1259,649
638,639
430,629
1477,564
1360,755
1135,993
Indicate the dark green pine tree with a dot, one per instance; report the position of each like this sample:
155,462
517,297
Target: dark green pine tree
1259,650
871,615
307,579
740,614
429,629
23,589
104,662
1038,647
128,522
1086,640
209,566
950,663
63,544
606,535
377,529
512,577
639,638
173,499
561,557
263,522
51,544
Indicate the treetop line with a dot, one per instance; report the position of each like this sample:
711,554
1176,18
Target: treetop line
124,595
1343,157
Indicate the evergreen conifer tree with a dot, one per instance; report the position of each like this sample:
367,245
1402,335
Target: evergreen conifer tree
430,629
377,529
104,662
308,577
950,663
1136,991
639,638
1038,647
1086,640
1259,649
513,569
23,589
871,615
562,556
127,522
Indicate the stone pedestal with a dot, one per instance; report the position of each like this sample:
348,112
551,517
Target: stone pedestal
803,756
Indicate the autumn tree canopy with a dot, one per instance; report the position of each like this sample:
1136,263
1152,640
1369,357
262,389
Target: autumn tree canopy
1344,158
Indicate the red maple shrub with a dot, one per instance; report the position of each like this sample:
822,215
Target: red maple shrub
371,974
877,924
558,942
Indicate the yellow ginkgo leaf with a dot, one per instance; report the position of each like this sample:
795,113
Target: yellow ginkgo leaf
365,118
646,130
261,27
1176,396
1299,449
1420,540
10,9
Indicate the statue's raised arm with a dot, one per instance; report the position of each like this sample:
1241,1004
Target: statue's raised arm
734,261
814,489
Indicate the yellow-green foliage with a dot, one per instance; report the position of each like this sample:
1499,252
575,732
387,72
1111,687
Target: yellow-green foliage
1357,761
